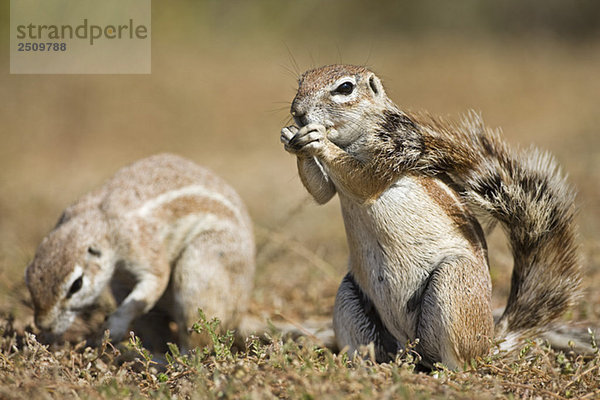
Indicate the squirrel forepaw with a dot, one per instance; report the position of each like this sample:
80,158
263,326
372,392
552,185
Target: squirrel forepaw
308,140
118,327
287,134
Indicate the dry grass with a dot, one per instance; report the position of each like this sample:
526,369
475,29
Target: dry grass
277,368
63,135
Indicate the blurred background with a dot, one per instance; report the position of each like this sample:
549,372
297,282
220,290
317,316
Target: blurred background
223,75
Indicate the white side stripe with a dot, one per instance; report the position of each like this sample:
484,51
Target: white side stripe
194,190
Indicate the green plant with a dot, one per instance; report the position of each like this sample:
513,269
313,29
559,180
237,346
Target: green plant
221,343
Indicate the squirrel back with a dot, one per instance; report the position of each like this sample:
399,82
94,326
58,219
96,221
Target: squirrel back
162,233
527,193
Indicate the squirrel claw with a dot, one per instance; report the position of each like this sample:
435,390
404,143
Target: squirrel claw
288,133
307,140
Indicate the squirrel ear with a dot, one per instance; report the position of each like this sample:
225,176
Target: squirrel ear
375,85
27,275
93,250
64,217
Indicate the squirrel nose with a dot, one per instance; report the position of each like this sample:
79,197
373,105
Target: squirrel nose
298,111
300,118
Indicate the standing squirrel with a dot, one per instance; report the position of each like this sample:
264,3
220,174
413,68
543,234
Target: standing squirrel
162,232
409,187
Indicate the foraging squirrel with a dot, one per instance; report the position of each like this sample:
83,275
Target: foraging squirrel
162,232
410,187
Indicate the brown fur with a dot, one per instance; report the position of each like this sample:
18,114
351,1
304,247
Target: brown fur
464,220
179,233
363,147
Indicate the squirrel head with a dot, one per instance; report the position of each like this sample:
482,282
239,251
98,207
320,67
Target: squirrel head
70,269
346,99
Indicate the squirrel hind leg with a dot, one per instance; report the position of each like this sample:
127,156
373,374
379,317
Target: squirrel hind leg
356,323
455,320
208,275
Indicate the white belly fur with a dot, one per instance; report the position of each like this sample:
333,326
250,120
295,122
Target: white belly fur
395,243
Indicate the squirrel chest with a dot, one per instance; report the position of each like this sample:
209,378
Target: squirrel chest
397,241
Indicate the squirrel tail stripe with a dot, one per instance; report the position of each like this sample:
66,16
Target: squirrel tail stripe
527,193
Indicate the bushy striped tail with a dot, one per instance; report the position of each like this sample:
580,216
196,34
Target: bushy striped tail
527,193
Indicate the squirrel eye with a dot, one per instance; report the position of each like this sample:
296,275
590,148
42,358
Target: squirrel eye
345,88
94,252
75,287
